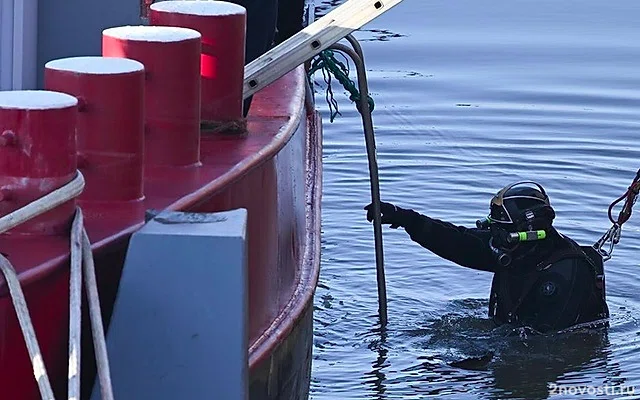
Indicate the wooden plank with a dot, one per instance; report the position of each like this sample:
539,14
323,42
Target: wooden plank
310,41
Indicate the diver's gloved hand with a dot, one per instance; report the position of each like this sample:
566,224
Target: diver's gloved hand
391,214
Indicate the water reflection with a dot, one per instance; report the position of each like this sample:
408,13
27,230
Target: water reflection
501,362
527,367
376,378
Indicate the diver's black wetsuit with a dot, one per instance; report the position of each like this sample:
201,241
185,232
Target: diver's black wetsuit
558,283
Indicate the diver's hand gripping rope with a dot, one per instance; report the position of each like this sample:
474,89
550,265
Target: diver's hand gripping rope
612,236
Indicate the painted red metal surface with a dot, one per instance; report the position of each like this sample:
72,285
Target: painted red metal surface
110,129
279,337
222,59
38,155
268,171
172,90
281,357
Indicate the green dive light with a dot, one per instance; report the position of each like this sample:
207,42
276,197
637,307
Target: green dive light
527,236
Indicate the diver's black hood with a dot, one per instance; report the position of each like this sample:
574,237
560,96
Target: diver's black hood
522,206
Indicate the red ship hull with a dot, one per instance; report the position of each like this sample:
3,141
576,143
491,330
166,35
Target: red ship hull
274,172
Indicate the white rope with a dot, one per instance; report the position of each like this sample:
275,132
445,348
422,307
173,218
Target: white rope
9,221
20,306
43,204
81,260
81,255
75,307
95,314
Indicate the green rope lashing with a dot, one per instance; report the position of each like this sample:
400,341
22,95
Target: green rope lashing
329,65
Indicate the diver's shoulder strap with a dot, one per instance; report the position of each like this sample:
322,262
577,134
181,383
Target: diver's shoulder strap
533,277
595,260
591,257
555,257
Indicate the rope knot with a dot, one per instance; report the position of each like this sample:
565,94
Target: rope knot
330,65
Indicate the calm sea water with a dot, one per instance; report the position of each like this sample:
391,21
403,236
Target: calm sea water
471,95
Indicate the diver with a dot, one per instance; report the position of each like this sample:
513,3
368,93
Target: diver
542,279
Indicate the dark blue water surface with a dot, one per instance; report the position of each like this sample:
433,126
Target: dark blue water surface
471,95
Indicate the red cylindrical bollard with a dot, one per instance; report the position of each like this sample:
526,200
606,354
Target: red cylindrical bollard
38,155
222,26
171,57
110,131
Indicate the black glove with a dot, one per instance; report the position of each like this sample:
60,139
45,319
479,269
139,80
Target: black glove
391,214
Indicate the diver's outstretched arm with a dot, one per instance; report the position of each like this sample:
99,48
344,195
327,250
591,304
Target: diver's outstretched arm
468,247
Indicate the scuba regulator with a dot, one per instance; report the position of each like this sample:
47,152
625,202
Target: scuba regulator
501,253
519,213
514,237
